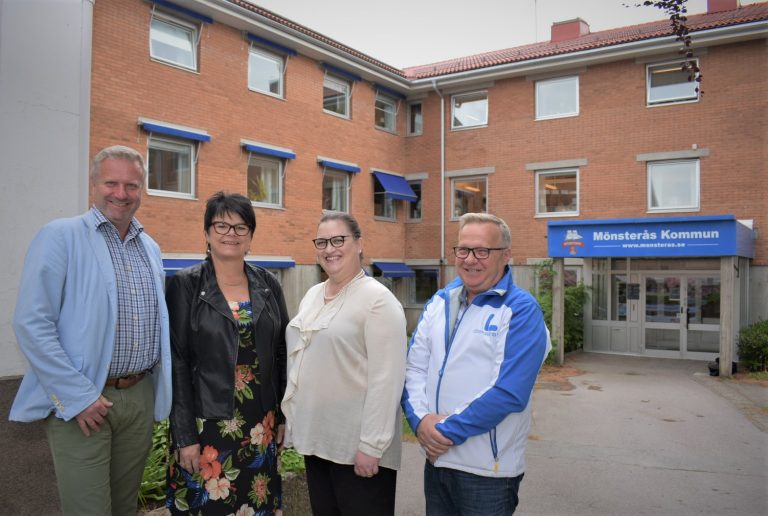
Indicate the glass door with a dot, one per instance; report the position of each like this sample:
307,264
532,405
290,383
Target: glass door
702,325
663,310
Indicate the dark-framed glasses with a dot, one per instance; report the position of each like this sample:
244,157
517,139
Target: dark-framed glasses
481,253
335,241
222,228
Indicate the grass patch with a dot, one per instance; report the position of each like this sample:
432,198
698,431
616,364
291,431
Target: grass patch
758,375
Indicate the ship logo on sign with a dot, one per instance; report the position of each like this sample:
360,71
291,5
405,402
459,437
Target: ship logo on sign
573,240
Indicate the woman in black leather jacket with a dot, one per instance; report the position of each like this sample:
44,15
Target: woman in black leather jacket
228,323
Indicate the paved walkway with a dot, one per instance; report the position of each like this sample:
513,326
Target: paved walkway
633,436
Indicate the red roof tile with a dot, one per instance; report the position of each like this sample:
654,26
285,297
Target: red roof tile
698,22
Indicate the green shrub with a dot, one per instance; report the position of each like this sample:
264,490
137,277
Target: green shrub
753,346
153,481
291,461
575,298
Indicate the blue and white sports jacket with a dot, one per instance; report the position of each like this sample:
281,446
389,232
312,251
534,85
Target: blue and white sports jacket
480,378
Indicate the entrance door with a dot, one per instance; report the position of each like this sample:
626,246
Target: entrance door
682,315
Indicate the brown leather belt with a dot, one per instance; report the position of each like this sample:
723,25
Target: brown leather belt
126,382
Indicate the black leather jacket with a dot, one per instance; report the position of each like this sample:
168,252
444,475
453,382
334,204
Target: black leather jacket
204,344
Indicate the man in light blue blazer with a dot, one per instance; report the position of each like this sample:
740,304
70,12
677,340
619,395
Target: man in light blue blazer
91,320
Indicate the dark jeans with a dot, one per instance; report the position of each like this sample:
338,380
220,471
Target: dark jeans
453,492
335,490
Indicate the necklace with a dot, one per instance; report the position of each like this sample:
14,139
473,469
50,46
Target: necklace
239,283
327,298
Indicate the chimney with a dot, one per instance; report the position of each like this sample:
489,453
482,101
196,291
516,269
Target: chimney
571,29
716,6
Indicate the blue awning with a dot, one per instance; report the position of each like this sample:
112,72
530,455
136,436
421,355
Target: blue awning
184,10
269,151
171,265
346,167
154,126
271,44
396,187
394,269
343,73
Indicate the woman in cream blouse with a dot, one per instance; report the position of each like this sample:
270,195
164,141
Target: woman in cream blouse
346,366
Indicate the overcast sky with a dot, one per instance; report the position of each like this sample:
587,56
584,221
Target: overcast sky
406,33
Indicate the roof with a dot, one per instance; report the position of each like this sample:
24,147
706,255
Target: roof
658,29
607,38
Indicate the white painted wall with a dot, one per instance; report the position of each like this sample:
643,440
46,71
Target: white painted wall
45,70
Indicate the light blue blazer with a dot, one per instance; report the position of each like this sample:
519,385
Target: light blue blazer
65,319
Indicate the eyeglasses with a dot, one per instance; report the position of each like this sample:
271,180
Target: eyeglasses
336,241
222,228
481,253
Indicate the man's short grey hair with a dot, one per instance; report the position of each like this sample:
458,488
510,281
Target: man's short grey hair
487,218
117,152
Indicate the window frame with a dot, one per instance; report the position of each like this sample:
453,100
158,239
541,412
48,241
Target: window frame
412,300
280,180
454,180
267,56
696,177
695,97
191,28
409,207
537,192
156,143
392,103
346,179
412,130
390,208
338,81
557,80
471,97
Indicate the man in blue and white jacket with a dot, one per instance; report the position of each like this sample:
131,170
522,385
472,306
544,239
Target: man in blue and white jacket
472,364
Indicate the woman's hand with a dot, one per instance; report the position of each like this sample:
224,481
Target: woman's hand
365,465
188,458
280,437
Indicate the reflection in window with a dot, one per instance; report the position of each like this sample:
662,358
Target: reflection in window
662,299
335,186
336,96
557,192
668,83
469,110
618,297
385,113
265,72
557,97
599,296
265,185
173,41
423,285
469,196
673,185
170,166
383,205
415,121
414,207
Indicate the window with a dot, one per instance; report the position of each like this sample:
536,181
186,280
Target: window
265,180
469,195
423,285
557,98
673,185
469,110
336,96
414,207
265,72
667,83
557,192
415,122
385,113
383,205
335,187
173,41
170,167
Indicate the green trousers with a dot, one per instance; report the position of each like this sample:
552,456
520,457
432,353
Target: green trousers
100,475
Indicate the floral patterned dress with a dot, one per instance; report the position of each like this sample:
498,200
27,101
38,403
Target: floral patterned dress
238,464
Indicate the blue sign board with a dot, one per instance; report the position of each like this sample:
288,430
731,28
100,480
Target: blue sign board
708,235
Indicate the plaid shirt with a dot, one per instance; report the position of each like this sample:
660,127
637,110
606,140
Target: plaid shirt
137,334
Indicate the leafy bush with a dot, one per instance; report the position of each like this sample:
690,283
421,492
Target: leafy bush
575,297
153,481
291,461
753,346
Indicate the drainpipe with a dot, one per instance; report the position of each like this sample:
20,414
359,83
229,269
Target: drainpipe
442,176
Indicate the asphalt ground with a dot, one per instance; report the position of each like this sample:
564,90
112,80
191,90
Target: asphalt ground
623,436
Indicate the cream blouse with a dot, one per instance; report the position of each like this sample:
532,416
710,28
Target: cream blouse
346,369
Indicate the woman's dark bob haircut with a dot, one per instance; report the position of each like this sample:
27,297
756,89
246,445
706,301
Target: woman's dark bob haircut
222,203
